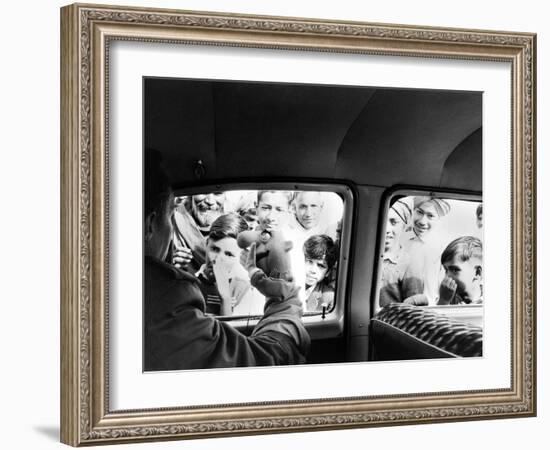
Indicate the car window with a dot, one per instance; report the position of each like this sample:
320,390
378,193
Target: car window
431,251
297,235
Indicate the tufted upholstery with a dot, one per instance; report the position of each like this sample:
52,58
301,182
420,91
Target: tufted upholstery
401,331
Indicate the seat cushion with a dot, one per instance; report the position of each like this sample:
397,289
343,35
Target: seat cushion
401,331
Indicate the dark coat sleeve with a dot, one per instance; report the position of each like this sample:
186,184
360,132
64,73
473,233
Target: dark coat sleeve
181,336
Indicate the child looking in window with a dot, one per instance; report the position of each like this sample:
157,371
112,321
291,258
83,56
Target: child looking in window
273,209
320,253
463,282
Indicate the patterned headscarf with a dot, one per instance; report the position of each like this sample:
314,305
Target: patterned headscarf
403,210
441,206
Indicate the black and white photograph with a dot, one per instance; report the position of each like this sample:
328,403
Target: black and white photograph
279,221
288,224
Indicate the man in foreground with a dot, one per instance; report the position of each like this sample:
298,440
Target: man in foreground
177,332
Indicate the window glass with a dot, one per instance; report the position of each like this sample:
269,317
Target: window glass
297,236
431,252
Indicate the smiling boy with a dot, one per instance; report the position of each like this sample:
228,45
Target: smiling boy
423,247
273,209
427,213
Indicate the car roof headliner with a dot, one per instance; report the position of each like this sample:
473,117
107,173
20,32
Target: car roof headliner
371,136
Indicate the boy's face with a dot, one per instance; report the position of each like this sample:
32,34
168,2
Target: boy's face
394,228
424,218
272,210
468,277
308,209
316,270
224,252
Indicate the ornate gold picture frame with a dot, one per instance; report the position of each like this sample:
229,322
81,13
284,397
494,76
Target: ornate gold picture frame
87,33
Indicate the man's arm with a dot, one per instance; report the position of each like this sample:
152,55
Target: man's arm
182,336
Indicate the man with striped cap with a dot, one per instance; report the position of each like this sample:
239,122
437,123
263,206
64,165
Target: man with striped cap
398,282
423,251
428,210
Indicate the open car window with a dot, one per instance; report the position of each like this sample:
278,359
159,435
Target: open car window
431,254
210,226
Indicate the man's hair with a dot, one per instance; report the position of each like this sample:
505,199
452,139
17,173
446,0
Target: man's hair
465,247
288,194
248,213
227,225
479,210
321,246
156,186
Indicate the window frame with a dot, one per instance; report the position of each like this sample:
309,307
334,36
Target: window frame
409,191
318,326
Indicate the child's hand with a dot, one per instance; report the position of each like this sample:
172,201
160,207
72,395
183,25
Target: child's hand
182,257
447,291
417,300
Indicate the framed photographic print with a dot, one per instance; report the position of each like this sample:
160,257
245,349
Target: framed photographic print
276,225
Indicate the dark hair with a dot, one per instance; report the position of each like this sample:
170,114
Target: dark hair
288,194
247,211
227,225
321,246
156,185
464,247
479,210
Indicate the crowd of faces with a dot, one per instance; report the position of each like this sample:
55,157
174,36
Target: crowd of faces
278,209
298,214
460,259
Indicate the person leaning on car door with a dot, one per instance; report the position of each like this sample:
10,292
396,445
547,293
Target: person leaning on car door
177,332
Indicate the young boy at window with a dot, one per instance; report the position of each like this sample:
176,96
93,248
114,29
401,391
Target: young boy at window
320,253
273,209
463,282
222,264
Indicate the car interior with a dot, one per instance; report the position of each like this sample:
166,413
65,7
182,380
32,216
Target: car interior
363,148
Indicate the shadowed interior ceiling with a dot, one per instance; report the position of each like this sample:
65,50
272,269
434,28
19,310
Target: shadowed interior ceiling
369,136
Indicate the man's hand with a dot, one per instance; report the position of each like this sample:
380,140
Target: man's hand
243,257
181,257
447,291
239,283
